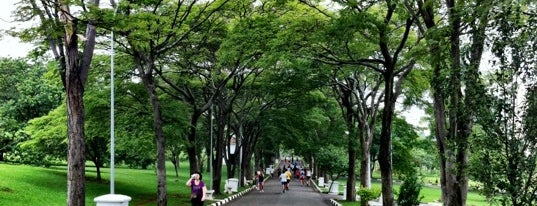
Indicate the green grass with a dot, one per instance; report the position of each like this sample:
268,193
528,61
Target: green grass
429,193
22,185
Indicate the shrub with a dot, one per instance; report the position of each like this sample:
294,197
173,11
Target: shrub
368,194
410,191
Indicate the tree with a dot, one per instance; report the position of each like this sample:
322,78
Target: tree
410,191
149,31
404,144
456,87
27,91
395,39
332,160
74,65
47,133
47,136
504,140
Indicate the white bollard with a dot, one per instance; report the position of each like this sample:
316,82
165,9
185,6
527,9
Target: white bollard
335,188
233,184
209,194
321,181
112,200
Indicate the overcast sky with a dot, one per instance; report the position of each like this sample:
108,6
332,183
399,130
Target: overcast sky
10,46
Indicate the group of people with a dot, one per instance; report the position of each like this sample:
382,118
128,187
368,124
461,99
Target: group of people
260,180
303,174
198,190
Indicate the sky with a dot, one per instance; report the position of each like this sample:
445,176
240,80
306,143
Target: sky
10,46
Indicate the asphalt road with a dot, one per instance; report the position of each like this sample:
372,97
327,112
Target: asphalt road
297,195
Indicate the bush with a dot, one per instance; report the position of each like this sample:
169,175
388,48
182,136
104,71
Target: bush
410,191
368,194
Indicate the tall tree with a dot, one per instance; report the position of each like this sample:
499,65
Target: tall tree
74,60
150,30
394,39
456,84
504,141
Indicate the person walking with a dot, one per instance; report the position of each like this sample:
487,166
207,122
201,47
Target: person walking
288,176
198,191
283,180
308,177
260,181
302,177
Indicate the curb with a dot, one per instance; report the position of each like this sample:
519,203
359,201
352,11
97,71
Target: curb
230,198
235,196
333,202
316,186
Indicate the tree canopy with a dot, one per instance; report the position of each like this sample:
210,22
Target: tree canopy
323,82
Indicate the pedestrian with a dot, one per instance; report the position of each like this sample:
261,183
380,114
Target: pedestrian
288,174
283,180
256,180
308,177
261,181
302,177
198,191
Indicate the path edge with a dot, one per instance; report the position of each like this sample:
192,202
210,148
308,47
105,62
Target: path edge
333,202
233,197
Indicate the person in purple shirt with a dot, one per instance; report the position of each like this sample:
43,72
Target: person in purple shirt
197,188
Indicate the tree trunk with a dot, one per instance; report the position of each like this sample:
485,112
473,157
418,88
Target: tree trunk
456,164
427,13
208,151
191,145
365,169
76,73
200,161
175,162
246,167
76,179
385,150
99,177
351,179
219,150
440,134
159,137
366,140
74,68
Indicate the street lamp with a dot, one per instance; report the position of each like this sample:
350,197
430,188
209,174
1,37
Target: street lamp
112,199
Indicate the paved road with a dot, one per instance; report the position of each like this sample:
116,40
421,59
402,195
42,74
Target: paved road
296,196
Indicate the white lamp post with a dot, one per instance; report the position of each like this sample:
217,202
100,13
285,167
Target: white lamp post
112,199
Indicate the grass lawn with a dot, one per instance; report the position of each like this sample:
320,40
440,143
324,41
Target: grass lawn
429,193
22,185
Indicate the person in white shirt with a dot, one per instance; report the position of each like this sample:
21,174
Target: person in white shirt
308,177
283,180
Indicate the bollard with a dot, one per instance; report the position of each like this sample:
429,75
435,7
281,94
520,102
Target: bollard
112,200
